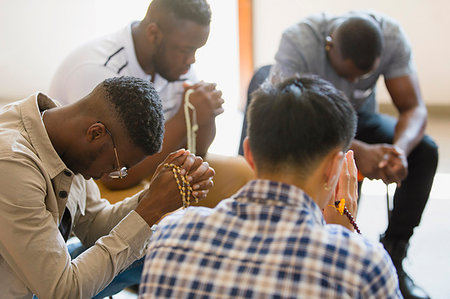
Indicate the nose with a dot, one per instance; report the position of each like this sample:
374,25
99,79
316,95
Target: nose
190,58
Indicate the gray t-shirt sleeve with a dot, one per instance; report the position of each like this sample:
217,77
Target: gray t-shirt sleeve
301,49
289,59
398,52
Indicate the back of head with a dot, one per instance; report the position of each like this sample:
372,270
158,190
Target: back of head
135,104
197,11
293,125
360,40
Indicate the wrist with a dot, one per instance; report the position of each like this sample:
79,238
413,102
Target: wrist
400,148
357,145
149,215
358,148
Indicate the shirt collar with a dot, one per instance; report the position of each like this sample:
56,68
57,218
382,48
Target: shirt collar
278,193
31,110
133,63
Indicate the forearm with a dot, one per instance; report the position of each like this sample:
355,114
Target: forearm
406,96
101,217
97,266
357,147
410,128
205,136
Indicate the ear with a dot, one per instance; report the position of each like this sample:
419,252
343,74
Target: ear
154,33
248,153
334,166
328,43
95,132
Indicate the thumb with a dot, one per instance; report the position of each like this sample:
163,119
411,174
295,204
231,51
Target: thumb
189,84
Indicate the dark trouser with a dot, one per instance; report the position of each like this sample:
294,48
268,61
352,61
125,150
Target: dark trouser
410,199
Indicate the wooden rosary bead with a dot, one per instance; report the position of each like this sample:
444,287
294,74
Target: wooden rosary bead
342,209
184,187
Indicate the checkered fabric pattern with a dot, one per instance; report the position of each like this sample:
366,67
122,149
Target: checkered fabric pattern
268,241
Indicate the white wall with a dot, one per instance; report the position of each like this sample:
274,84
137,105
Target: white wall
35,36
425,22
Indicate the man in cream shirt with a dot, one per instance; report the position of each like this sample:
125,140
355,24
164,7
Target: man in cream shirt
48,155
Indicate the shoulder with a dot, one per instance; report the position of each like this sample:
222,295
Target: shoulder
369,258
391,28
98,52
16,148
374,274
182,220
312,29
301,45
365,251
89,65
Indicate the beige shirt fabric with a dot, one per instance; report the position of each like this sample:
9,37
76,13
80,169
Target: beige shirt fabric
35,188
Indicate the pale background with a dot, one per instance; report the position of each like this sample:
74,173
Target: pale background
36,35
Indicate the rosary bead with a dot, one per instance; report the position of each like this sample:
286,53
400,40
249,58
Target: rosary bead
184,186
348,214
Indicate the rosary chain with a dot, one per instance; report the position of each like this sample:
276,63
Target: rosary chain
184,187
342,209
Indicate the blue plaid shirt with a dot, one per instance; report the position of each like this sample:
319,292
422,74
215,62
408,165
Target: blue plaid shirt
268,241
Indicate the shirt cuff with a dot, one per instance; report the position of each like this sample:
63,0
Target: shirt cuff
135,232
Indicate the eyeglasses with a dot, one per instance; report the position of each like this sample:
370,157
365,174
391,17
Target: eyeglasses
120,172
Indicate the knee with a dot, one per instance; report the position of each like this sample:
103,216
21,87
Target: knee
427,152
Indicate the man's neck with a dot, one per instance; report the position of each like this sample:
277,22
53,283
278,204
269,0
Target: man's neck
309,186
141,48
53,131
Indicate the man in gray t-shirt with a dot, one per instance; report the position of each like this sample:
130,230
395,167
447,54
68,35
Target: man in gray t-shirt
352,51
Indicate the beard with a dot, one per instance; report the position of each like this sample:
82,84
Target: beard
162,66
81,164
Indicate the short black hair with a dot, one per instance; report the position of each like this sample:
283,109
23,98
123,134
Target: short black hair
297,122
360,40
139,110
197,11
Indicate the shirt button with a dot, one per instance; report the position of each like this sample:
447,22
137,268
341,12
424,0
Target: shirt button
67,173
62,194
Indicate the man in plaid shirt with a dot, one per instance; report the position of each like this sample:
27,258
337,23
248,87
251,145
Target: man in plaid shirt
275,237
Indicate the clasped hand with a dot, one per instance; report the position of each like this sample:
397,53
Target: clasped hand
162,196
346,188
207,100
383,161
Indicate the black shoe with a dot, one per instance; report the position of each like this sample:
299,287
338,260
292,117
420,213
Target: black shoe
408,288
397,250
